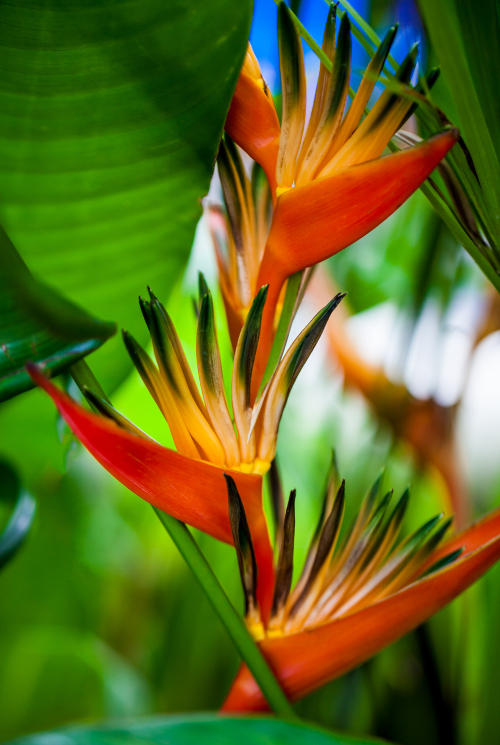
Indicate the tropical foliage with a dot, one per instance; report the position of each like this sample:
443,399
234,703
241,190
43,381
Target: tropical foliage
317,213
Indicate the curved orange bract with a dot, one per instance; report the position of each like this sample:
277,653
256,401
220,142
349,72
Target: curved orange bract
253,124
193,491
308,659
317,220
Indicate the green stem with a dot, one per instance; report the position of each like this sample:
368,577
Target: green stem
232,622
285,322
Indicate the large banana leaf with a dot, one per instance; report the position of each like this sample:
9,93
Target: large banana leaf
204,728
110,117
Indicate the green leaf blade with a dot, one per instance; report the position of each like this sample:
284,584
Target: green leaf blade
210,729
110,119
38,325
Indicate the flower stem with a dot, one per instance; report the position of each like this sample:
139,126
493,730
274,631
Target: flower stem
228,615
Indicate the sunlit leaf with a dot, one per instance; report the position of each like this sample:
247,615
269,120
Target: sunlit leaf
110,119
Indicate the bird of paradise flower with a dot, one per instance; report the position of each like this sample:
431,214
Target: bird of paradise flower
357,592
330,186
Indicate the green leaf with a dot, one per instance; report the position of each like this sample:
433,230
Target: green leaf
465,37
110,119
227,614
209,729
21,519
38,324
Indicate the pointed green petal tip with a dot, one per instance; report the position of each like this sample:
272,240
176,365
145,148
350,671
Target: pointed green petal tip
288,42
432,77
202,286
284,572
250,340
405,71
444,562
243,544
145,307
385,46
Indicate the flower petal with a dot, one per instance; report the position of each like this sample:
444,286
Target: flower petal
253,124
317,220
193,491
473,537
293,87
307,660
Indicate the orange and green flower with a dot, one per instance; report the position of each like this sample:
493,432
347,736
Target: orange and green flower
358,591
239,233
188,483
331,185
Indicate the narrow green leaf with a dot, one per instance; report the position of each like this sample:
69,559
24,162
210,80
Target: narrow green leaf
444,562
38,324
103,407
230,178
21,519
448,39
308,340
341,67
202,287
229,617
277,500
290,56
85,378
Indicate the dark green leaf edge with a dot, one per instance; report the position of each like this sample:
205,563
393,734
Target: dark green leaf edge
21,519
38,324
211,729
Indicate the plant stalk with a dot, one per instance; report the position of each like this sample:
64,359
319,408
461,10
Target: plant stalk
228,615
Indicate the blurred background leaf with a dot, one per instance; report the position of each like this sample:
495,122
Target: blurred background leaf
209,729
21,507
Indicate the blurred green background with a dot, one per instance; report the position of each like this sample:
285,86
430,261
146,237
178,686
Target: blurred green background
99,616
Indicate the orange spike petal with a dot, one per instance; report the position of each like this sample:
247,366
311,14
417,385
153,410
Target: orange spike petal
307,660
253,124
317,220
193,491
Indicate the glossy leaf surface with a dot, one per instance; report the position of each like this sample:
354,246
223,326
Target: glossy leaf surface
37,324
111,114
21,519
465,37
206,728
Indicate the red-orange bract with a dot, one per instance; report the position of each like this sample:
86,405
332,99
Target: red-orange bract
191,490
331,187
309,658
